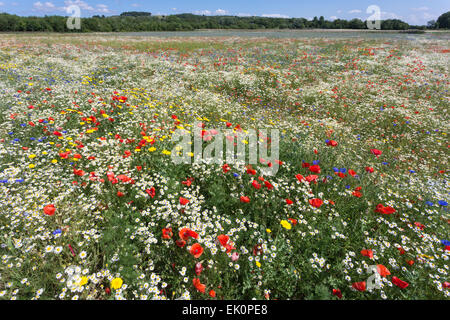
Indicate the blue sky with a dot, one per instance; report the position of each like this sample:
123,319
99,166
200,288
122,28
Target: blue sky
411,11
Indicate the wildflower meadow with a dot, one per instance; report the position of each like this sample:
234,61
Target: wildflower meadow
93,205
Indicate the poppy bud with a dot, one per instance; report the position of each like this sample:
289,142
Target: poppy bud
198,268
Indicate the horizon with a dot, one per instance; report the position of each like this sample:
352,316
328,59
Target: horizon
413,12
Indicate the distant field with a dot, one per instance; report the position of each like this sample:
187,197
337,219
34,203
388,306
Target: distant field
94,207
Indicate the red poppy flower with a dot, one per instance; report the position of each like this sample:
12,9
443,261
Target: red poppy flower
382,270
198,268
223,239
305,165
120,194
370,169
187,233
384,210
212,293
151,192
315,168
367,253
401,250
123,178
268,185
340,174
446,284
180,243
79,172
196,250
419,225
167,233
289,202
360,286
399,283
256,185
376,152
312,178
332,143
198,285
188,182
299,177
317,203
337,293
49,209
183,201
410,262
226,168
245,199
357,194
352,172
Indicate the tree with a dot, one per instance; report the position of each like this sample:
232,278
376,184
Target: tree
443,22
431,24
135,14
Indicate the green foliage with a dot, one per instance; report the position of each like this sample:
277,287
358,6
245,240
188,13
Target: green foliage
443,22
143,21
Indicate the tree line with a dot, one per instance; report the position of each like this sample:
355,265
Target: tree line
141,21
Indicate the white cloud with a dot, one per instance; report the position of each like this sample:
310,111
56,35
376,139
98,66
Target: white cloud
420,9
43,7
389,15
355,11
218,12
84,6
135,5
339,11
103,8
274,15
427,15
333,18
244,15
1,4
221,12
203,12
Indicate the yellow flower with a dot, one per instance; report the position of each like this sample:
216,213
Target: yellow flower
268,230
83,281
166,152
116,283
31,166
258,264
285,224
54,161
31,156
151,149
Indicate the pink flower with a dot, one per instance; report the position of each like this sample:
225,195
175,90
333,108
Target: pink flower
234,256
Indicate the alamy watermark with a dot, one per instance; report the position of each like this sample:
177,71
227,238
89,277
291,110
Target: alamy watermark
374,281
242,147
74,21
374,21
